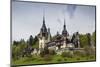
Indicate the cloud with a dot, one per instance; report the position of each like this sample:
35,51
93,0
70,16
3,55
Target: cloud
71,10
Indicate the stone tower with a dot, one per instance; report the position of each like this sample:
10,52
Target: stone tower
43,35
64,32
49,35
78,40
65,35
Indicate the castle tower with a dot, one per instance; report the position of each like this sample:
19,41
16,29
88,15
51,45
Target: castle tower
44,29
49,35
78,40
43,35
64,32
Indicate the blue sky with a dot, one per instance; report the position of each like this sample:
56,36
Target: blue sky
27,18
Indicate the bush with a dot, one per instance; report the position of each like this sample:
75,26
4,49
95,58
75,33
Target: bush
46,51
59,59
47,57
89,51
78,53
92,57
65,59
67,54
52,52
64,54
42,53
78,58
26,59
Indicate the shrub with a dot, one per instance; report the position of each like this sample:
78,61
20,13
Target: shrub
52,52
26,59
78,53
66,54
65,59
42,53
59,59
92,57
46,51
89,51
78,58
47,57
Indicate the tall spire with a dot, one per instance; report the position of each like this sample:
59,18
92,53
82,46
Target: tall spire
64,32
64,25
49,35
44,29
43,16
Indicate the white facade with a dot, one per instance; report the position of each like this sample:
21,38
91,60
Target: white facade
42,42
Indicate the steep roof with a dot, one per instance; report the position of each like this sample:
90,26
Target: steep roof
44,29
64,32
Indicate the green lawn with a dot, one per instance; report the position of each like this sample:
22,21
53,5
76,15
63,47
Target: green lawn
51,59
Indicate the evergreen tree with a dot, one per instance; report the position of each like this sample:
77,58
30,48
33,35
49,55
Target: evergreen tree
89,39
94,37
35,40
31,40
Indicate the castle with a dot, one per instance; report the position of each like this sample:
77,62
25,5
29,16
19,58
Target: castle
61,41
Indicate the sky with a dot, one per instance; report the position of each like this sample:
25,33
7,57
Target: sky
27,18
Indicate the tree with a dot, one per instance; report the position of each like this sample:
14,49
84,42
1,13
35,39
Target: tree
89,39
83,40
94,37
31,40
35,40
17,50
15,43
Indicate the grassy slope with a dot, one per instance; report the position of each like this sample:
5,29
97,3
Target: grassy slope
55,59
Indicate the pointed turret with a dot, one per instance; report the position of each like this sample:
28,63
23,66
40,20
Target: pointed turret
44,29
49,35
64,32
